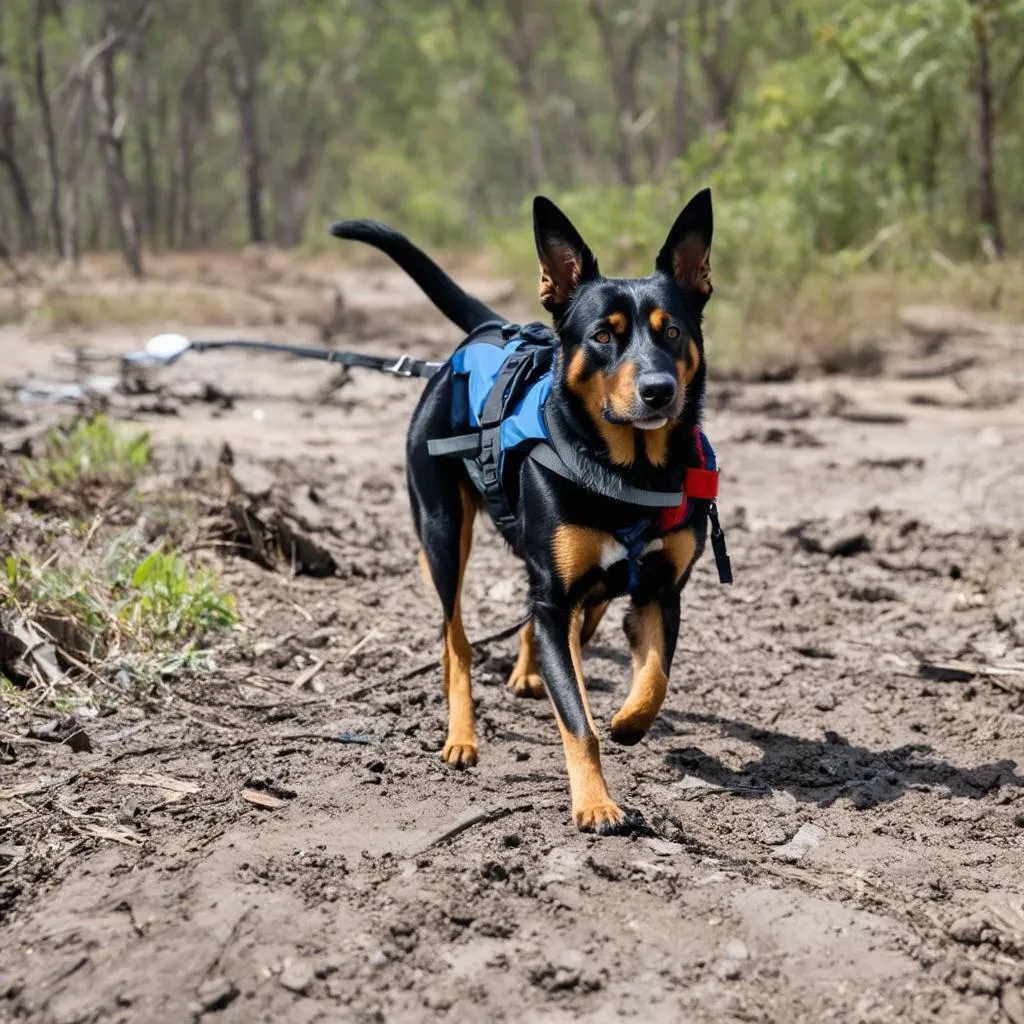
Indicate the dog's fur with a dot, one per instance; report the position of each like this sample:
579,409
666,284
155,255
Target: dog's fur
627,393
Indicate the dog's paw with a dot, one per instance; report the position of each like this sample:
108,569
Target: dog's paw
460,755
604,818
526,684
627,730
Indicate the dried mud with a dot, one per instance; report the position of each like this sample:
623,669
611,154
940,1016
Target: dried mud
832,800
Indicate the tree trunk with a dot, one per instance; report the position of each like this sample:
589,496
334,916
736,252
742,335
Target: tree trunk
986,132
110,132
243,73
49,135
9,159
251,158
145,117
520,46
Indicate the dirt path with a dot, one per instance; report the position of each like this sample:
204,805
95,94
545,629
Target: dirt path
833,835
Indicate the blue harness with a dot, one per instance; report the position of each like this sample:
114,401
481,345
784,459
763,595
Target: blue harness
502,376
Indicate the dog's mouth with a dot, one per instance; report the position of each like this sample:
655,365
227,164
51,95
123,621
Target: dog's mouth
647,421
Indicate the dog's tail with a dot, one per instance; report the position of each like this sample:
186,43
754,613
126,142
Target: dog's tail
459,306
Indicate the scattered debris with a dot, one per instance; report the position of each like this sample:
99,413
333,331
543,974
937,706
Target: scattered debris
67,730
806,839
297,977
466,820
171,790
307,678
262,799
216,994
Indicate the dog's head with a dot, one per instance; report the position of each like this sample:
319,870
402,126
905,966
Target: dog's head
632,349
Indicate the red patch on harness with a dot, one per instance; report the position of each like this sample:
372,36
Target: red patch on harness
699,483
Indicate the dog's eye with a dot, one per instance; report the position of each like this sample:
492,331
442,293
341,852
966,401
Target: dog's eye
603,337
672,332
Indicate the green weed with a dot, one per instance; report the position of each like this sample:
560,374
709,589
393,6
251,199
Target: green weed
92,452
121,603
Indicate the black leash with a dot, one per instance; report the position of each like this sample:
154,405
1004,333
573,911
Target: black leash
398,366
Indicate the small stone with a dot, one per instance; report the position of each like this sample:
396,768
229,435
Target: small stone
967,930
826,701
771,835
216,994
783,801
983,984
736,950
297,977
806,839
377,959
728,970
330,965
565,978
662,847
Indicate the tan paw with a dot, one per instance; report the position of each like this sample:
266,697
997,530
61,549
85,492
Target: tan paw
460,755
629,729
602,818
524,684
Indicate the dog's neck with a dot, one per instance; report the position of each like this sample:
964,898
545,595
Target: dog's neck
578,443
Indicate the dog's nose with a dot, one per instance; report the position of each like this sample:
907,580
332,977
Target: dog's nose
656,389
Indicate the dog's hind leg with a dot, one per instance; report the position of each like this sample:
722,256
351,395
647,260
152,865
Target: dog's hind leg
525,680
447,533
591,620
652,630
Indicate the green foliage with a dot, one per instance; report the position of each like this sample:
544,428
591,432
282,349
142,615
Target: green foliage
166,599
840,136
125,601
93,451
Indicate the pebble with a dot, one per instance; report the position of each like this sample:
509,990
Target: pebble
825,701
737,950
967,930
983,984
297,977
728,970
216,993
662,847
806,839
771,835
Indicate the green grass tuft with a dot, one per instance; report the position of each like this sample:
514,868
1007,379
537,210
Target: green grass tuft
92,452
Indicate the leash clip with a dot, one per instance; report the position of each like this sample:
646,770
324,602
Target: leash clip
401,367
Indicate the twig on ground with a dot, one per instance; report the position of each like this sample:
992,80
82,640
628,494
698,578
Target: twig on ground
466,820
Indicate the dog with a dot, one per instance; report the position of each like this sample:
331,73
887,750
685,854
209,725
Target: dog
625,397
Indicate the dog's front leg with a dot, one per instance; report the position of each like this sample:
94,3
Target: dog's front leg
652,630
557,633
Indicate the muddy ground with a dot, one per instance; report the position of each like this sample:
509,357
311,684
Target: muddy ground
834,814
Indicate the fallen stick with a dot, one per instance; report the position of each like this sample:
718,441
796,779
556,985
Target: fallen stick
466,820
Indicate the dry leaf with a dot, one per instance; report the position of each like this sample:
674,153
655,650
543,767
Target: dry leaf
261,799
158,781
117,835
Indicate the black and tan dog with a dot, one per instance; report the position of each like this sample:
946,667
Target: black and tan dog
626,395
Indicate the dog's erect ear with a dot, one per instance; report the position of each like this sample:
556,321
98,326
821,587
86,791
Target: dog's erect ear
565,260
686,254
